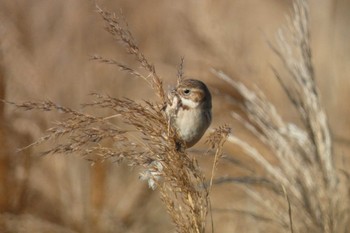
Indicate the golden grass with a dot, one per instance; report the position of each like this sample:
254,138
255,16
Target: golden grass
288,173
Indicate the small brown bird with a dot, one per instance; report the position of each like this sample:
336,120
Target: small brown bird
190,110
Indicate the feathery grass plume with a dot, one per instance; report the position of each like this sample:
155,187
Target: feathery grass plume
315,189
144,139
118,28
216,140
151,146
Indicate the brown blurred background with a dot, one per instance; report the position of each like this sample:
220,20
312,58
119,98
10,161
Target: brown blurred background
44,54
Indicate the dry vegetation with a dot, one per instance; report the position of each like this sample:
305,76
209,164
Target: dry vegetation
146,140
305,171
282,169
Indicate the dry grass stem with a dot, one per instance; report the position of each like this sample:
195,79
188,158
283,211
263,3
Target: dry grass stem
289,210
180,71
216,140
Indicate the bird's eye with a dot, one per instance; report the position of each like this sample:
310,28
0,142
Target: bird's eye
187,91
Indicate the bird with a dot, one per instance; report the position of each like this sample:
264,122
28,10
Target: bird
189,111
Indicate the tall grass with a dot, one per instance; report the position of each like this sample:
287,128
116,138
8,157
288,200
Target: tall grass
297,185
302,173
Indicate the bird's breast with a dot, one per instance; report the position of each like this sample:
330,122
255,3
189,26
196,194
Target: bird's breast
192,124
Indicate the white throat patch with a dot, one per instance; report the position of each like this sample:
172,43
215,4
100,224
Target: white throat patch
189,103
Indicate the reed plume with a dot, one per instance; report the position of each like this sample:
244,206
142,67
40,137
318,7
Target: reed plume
302,168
